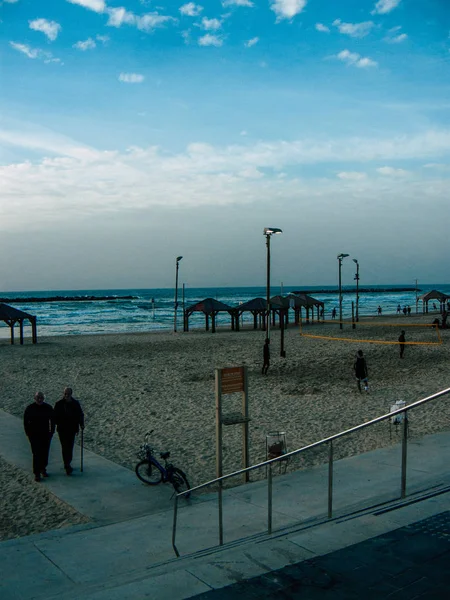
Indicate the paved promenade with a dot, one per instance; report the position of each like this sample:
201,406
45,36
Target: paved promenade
126,552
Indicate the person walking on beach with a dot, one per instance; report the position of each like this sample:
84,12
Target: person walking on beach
401,341
333,313
399,309
266,357
379,310
69,418
361,372
39,425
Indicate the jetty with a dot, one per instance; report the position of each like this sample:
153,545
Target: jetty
66,299
361,290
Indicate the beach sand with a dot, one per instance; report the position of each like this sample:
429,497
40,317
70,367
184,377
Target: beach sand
129,384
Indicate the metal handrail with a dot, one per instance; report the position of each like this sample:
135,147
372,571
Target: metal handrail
327,440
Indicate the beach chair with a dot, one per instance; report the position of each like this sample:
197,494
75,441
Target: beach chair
276,446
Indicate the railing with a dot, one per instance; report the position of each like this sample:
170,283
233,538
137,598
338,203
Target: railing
328,440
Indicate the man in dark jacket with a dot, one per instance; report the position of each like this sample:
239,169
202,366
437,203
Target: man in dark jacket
69,418
39,425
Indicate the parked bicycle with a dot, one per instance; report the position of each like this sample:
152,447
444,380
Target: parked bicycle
150,471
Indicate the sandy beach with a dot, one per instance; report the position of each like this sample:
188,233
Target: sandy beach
129,384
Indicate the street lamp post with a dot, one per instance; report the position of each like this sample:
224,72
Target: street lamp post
176,293
357,288
340,258
268,232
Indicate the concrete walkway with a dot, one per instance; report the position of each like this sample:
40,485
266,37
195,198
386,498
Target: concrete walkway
126,551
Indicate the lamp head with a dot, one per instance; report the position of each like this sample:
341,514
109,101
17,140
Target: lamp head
179,258
271,230
355,261
341,256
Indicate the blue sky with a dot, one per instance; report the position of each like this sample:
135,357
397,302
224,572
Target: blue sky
135,131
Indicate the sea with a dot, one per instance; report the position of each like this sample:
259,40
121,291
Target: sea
153,309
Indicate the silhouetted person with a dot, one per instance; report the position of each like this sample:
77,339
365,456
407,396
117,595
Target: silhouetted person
39,425
404,310
399,309
333,313
409,310
361,372
401,341
266,357
379,310
69,418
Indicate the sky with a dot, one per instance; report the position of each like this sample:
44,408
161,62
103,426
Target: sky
136,131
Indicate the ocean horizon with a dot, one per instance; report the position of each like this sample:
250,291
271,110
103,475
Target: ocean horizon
152,309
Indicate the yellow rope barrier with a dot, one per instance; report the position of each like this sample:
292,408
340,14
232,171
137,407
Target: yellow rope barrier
398,325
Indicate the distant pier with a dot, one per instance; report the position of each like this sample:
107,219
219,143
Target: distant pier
361,291
66,299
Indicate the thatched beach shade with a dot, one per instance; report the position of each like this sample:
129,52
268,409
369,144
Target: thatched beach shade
210,308
300,300
434,295
258,308
11,316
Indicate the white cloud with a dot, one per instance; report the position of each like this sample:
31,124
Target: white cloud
118,16
211,24
355,59
83,180
102,38
30,52
438,166
44,55
131,77
88,44
357,30
49,28
97,6
287,9
248,3
210,40
392,172
146,22
252,42
383,7
352,175
397,39
190,9
322,27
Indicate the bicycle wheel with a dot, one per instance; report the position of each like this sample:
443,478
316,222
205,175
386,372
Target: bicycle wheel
148,472
179,481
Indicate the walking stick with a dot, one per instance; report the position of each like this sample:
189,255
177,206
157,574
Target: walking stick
81,448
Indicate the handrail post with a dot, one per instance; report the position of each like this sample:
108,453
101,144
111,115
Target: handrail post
220,514
174,527
404,452
269,500
330,480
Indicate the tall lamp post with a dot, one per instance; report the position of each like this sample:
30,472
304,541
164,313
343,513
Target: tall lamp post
340,258
176,293
268,232
357,288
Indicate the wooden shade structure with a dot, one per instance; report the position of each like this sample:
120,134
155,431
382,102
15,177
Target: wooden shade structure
258,308
11,316
210,308
298,301
434,295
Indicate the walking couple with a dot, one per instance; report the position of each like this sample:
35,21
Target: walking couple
40,421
